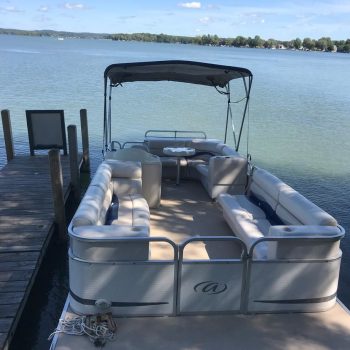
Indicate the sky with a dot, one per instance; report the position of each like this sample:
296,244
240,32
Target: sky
278,19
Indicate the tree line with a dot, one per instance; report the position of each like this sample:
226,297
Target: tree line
322,44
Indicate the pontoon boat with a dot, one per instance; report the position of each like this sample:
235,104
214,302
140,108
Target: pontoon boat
185,244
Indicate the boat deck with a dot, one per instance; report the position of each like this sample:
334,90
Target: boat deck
187,211
298,331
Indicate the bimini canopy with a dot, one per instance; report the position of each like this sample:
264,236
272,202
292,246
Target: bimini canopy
180,71
208,74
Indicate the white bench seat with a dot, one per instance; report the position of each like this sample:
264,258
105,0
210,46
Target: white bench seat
271,208
112,207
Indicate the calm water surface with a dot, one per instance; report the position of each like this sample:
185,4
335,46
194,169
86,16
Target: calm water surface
299,113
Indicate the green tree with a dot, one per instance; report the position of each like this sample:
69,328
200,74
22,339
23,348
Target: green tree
257,41
270,43
346,48
324,44
309,44
240,41
297,43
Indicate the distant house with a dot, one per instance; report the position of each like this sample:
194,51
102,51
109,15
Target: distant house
281,47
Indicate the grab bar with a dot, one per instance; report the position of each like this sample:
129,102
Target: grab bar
113,143
195,134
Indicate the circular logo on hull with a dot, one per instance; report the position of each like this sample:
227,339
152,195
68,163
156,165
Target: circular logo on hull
210,287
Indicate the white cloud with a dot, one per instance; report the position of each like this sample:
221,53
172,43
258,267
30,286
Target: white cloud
43,8
205,20
191,5
213,7
10,8
71,6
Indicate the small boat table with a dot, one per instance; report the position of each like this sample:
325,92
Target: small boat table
178,152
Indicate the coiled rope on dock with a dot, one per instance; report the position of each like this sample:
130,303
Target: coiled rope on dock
99,328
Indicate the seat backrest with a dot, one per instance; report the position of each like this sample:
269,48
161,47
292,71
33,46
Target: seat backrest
112,177
265,187
294,209
289,205
205,145
126,177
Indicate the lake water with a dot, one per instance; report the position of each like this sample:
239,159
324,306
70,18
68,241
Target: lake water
299,112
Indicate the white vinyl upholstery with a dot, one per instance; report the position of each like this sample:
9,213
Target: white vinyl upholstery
246,216
219,167
303,230
151,172
124,169
128,216
206,145
305,211
265,187
88,212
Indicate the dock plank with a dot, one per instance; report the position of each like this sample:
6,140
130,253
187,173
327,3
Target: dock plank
26,226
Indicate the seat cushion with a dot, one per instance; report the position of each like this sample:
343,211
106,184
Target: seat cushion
248,230
102,176
203,169
205,145
132,210
240,205
229,151
88,212
140,213
125,169
304,210
266,187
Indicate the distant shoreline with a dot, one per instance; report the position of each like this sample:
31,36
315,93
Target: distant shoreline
324,44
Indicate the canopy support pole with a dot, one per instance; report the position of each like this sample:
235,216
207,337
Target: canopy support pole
104,146
110,115
228,94
247,90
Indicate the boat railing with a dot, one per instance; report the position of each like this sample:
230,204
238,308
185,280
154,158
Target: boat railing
211,285
114,144
126,144
133,143
292,273
190,134
298,248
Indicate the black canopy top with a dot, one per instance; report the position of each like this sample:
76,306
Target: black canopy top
181,71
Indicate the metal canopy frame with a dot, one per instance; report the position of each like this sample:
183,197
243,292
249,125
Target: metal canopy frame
217,76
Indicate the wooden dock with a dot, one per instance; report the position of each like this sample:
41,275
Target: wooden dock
26,227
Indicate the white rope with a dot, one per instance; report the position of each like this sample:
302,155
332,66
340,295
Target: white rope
98,332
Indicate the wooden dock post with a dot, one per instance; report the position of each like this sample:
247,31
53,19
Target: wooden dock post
74,160
85,140
6,125
57,193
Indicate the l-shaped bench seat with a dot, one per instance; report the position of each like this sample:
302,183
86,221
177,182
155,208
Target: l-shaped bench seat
271,208
112,208
219,167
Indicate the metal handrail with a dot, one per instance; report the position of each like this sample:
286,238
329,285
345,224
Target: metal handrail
297,238
113,143
133,143
175,133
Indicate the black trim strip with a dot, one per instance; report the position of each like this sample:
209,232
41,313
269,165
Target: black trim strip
114,303
298,301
